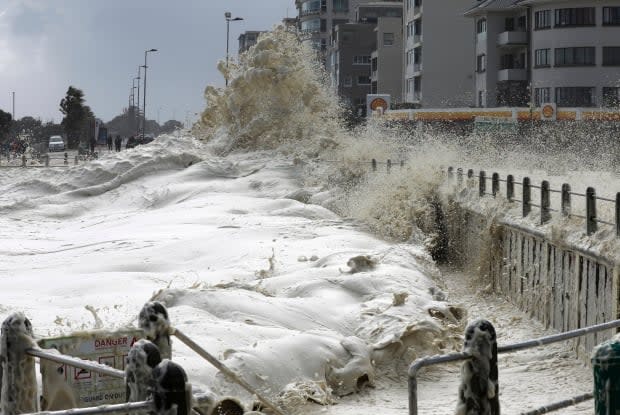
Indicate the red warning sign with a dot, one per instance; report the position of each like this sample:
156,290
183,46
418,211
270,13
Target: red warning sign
81,374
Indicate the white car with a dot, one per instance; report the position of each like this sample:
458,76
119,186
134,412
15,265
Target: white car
56,143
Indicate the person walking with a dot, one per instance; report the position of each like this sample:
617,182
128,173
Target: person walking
118,142
109,142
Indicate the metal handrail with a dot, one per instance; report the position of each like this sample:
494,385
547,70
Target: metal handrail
120,408
510,348
77,362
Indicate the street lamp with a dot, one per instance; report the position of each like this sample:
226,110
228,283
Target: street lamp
228,17
144,95
138,102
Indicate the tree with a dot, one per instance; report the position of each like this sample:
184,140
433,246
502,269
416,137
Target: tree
75,115
5,125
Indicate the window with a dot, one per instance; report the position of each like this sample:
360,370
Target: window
575,96
542,19
409,29
507,62
341,6
611,55
409,85
417,3
575,56
522,23
363,80
611,96
542,57
409,57
481,63
348,81
409,4
361,60
313,25
323,25
481,26
611,16
542,96
388,39
509,24
583,16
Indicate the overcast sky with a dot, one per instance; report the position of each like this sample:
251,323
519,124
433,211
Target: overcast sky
97,46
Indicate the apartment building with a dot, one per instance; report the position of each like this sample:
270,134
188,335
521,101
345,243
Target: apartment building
575,49
386,76
564,51
438,61
377,31
248,39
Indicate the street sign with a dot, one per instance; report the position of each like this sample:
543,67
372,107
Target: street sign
66,387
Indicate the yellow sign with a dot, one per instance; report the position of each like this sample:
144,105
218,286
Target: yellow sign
378,103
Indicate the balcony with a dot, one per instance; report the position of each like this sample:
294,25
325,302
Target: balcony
417,67
417,39
512,75
512,38
314,12
417,10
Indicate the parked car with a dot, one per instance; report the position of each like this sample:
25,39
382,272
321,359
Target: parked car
56,143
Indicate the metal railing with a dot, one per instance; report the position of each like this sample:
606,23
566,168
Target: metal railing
510,348
591,219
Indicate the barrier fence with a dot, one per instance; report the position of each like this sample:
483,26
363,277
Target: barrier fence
155,385
510,348
590,198
45,160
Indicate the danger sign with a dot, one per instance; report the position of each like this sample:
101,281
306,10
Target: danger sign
67,387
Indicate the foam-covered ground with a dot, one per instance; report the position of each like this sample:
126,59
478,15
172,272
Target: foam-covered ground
257,277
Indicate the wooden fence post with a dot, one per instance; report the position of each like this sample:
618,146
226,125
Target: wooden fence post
527,197
591,225
545,202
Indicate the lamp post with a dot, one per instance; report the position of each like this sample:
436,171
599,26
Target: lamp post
144,94
138,106
228,17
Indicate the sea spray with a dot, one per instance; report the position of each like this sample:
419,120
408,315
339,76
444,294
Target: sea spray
277,94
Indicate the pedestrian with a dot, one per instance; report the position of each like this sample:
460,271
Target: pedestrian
109,142
118,142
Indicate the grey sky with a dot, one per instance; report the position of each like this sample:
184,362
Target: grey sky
97,46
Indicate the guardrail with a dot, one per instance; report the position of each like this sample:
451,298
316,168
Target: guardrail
591,219
45,160
153,384
510,348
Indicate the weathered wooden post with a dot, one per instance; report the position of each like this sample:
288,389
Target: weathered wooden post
618,214
389,165
459,177
566,208
591,225
527,196
495,184
374,165
66,161
482,183
545,203
450,173
142,359
153,319
172,394
606,366
470,176
510,188
18,385
479,389
23,160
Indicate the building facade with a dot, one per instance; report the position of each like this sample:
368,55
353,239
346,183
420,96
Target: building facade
377,31
565,52
248,39
387,59
438,61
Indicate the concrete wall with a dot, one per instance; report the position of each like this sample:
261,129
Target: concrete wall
557,283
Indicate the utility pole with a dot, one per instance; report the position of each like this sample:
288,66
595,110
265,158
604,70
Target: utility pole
13,106
144,95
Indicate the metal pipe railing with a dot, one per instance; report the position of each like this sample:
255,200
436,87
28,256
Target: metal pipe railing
511,348
77,362
121,408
